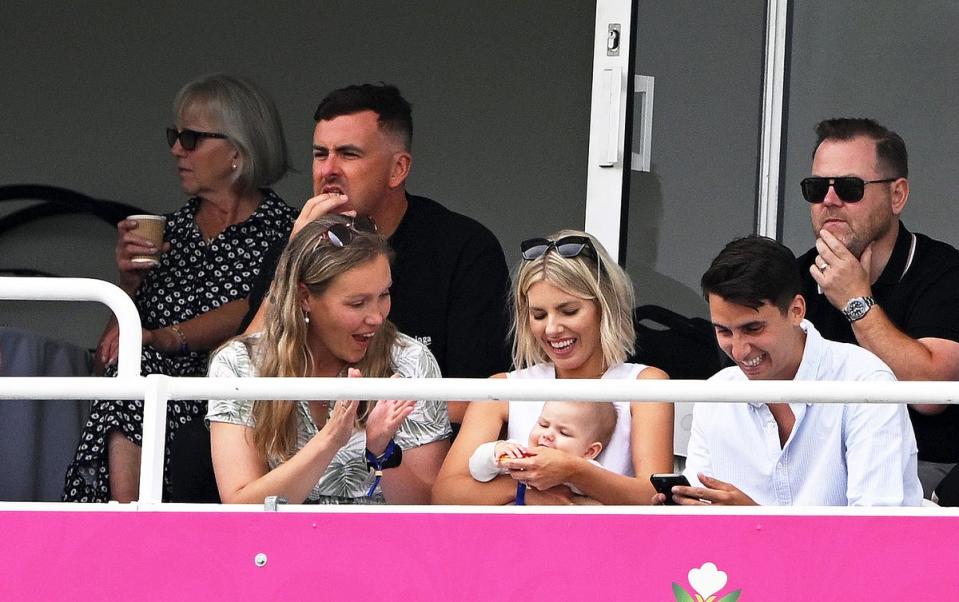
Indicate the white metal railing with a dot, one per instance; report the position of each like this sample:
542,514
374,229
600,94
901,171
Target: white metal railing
157,389
86,289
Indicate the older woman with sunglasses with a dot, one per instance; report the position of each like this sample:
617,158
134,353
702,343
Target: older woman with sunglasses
573,319
229,148
327,317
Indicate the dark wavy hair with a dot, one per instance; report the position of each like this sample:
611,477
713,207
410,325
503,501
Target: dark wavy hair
753,270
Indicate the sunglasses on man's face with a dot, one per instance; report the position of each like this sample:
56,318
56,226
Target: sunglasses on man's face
849,189
566,246
341,235
188,138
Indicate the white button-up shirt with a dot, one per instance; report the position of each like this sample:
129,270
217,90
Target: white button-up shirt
837,454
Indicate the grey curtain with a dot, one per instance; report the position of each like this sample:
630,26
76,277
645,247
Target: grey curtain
37,437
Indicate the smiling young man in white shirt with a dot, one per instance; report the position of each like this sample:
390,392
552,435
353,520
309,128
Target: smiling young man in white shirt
799,453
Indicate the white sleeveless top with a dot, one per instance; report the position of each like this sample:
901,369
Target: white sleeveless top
616,456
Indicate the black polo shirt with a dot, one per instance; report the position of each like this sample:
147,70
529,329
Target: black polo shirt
919,291
450,288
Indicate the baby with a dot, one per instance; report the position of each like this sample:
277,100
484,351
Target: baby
580,428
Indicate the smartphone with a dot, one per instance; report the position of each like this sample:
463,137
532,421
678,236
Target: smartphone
664,483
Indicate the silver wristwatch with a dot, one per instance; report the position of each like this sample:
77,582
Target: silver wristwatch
857,307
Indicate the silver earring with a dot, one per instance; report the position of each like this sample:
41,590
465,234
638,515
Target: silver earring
306,316
234,167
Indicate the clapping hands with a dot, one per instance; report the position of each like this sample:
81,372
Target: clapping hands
384,420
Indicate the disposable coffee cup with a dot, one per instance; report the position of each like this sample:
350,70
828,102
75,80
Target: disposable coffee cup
151,228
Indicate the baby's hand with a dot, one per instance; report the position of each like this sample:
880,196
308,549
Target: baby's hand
506,450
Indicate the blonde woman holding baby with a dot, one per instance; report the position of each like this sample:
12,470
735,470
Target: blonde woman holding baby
572,319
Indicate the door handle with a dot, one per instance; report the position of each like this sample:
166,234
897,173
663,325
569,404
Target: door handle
644,87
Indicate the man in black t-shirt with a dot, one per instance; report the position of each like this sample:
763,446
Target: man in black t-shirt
871,282
450,280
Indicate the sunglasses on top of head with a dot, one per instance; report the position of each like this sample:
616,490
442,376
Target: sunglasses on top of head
849,189
188,138
341,235
566,246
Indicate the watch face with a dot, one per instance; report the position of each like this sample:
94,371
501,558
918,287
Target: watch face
857,308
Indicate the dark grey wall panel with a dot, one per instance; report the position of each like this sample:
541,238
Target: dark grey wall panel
890,60
707,58
500,92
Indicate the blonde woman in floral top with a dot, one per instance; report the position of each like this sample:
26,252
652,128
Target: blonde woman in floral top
327,317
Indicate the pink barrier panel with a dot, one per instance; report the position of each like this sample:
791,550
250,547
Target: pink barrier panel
400,556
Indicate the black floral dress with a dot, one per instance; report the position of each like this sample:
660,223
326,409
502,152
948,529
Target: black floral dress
194,277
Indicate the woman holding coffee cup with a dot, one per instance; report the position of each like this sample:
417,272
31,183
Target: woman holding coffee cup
190,286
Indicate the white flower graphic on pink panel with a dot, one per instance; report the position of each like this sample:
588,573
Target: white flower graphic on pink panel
706,581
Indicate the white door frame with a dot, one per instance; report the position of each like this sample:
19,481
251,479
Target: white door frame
607,126
770,150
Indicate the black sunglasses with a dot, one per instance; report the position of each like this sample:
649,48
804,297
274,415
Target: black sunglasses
567,246
849,189
188,138
341,235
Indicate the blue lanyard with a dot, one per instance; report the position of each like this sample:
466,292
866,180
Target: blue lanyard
376,481
377,463
521,494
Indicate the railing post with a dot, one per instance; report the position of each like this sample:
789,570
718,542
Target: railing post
154,438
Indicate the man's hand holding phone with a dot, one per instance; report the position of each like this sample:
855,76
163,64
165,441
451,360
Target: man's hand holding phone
713,492
663,484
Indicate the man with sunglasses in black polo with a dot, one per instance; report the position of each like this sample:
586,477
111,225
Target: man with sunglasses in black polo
872,282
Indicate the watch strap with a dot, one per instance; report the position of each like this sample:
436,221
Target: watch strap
857,308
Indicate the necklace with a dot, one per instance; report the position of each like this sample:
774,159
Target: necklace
319,412
320,409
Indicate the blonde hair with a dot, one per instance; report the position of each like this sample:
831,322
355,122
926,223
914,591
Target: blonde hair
604,283
239,108
603,419
282,350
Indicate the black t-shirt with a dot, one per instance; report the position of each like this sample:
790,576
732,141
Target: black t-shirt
450,288
919,291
